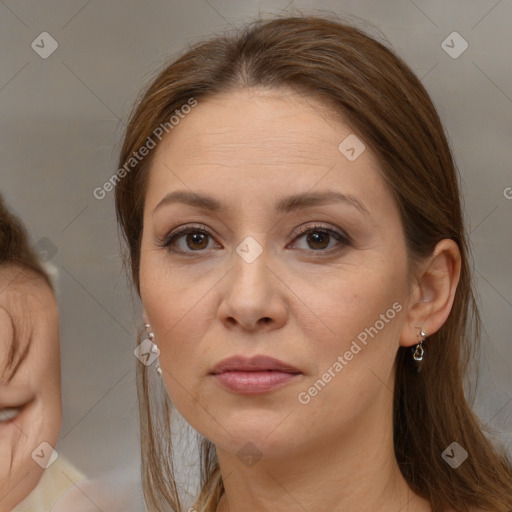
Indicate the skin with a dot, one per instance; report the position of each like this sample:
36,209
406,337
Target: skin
27,301
248,149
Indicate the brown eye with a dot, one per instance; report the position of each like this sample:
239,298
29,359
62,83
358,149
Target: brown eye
318,239
194,240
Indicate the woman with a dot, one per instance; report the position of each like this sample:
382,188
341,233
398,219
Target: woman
294,230
31,472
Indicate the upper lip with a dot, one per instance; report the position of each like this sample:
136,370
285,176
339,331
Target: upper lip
248,364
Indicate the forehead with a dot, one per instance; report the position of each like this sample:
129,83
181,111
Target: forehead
273,126
260,141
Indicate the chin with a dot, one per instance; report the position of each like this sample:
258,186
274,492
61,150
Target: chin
266,430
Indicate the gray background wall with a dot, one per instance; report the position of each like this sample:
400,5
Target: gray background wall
62,118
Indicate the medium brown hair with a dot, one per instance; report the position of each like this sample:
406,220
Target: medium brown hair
386,105
15,248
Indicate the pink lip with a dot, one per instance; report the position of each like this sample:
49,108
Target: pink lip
254,382
257,374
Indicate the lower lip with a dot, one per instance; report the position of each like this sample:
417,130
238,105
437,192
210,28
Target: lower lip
254,382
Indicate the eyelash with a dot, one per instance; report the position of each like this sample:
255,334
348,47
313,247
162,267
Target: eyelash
343,239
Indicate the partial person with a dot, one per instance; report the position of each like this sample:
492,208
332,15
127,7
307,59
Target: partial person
31,471
34,477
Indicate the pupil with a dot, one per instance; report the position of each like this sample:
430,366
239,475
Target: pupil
316,236
194,240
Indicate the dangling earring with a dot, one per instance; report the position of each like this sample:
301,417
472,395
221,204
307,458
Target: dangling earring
154,348
418,350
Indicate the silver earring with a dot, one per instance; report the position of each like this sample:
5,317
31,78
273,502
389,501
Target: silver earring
418,350
154,348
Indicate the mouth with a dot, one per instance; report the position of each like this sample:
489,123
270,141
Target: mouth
259,374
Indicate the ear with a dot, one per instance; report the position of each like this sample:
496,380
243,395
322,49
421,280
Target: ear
433,292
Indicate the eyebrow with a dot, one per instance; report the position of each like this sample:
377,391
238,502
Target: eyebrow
284,205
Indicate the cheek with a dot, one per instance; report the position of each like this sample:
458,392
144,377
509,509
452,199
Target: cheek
19,473
356,303
17,482
171,312
43,377
354,374
41,421
354,359
50,410
178,304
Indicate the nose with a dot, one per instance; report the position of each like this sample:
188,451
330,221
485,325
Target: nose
253,295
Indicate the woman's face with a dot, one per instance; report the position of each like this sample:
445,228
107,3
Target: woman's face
320,283
30,404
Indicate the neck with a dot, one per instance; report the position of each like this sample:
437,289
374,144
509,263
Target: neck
356,471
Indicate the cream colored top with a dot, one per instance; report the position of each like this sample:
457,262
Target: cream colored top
63,488
56,481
